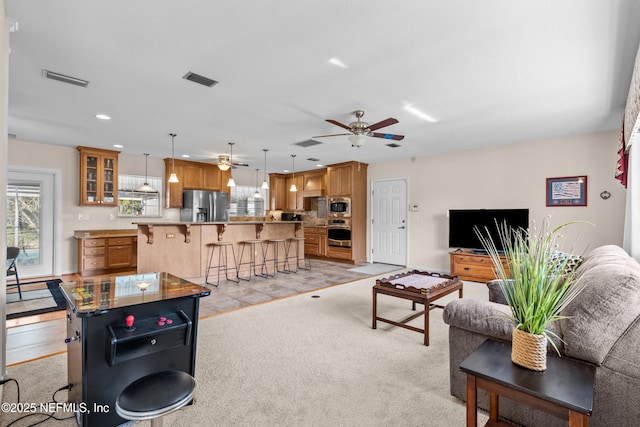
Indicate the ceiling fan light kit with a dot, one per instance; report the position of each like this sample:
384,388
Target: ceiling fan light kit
359,130
223,162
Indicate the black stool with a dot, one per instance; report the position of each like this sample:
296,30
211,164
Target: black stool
253,250
222,247
275,244
155,395
306,262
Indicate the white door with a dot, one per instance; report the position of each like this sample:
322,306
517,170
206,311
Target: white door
389,221
30,221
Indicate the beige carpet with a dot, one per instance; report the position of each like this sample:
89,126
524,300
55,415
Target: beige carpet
303,361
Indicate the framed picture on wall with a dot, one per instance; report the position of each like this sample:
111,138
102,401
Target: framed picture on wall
567,191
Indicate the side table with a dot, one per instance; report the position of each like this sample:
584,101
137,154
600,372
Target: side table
565,389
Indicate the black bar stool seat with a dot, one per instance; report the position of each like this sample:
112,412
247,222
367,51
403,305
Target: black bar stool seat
155,395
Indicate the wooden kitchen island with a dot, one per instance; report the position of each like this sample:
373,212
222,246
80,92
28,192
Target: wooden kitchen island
183,248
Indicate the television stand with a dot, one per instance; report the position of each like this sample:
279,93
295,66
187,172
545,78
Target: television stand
476,267
479,252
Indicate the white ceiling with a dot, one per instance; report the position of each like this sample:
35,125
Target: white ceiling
491,72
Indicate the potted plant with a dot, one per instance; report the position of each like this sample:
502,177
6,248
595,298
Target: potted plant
537,286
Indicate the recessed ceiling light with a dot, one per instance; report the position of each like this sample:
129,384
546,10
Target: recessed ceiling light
413,110
103,117
186,156
337,63
319,165
285,170
118,146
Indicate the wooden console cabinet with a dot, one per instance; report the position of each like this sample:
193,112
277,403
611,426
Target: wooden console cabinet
474,267
106,251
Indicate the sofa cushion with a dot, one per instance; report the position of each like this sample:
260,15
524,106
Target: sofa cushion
605,309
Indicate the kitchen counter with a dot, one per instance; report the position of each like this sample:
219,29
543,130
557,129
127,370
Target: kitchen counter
93,234
184,248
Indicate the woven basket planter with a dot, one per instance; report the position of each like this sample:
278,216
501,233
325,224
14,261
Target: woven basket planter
529,350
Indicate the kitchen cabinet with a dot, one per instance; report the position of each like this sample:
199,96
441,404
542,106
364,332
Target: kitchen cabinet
106,251
192,176
340,179
295,198
315,241
278,192
98,177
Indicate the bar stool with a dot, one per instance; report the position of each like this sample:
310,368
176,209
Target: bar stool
275,244
253,246
155,395
223,248
306,262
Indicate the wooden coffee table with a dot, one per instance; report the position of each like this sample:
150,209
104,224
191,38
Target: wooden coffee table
419,287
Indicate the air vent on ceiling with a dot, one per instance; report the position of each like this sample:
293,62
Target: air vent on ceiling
313,159
393,145
65,79
307,143
197,78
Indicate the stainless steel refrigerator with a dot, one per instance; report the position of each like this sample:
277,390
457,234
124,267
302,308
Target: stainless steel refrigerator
204,206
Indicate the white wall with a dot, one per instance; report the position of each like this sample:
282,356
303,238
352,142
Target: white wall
510,176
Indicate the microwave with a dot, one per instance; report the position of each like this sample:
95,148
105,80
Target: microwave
339,207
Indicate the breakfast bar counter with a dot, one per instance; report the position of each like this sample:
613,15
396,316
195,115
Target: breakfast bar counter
184,248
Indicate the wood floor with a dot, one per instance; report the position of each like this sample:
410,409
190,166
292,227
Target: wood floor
34,337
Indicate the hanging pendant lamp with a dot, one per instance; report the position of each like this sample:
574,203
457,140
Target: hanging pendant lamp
146,188
265,183
231,182
293,176
257,194
173,178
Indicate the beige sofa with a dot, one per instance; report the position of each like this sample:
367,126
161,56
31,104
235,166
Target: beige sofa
602,328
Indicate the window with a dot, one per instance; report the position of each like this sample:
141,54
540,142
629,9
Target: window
244,202
138,203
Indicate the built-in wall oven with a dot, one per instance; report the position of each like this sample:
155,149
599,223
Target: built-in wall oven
340,207
339,232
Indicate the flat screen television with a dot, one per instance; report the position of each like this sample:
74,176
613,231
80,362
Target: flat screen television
462,222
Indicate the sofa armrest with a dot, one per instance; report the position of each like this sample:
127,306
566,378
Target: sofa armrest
481,317
495,291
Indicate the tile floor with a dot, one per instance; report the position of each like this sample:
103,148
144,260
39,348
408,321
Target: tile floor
230,296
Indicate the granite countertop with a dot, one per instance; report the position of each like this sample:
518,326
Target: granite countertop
93,234
219,222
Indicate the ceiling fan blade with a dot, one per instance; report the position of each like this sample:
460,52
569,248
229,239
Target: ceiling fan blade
388,136
240,164
388,122
333,134
338,124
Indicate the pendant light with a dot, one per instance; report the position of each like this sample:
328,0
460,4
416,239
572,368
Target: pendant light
265,183
293,176
173,178
231,182
257,194
146,188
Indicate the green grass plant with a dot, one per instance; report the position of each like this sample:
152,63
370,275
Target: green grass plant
538,284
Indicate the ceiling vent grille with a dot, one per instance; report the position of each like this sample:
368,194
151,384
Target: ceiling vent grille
197,78
393,145
65,79
307,143
313,159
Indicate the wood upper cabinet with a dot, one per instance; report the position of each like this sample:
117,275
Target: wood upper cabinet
340,180
295,199
278,190
98,177
192,176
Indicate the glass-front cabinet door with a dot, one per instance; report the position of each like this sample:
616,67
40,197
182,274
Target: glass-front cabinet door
98,177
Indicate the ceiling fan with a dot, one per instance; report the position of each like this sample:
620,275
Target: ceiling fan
359,130
225,162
